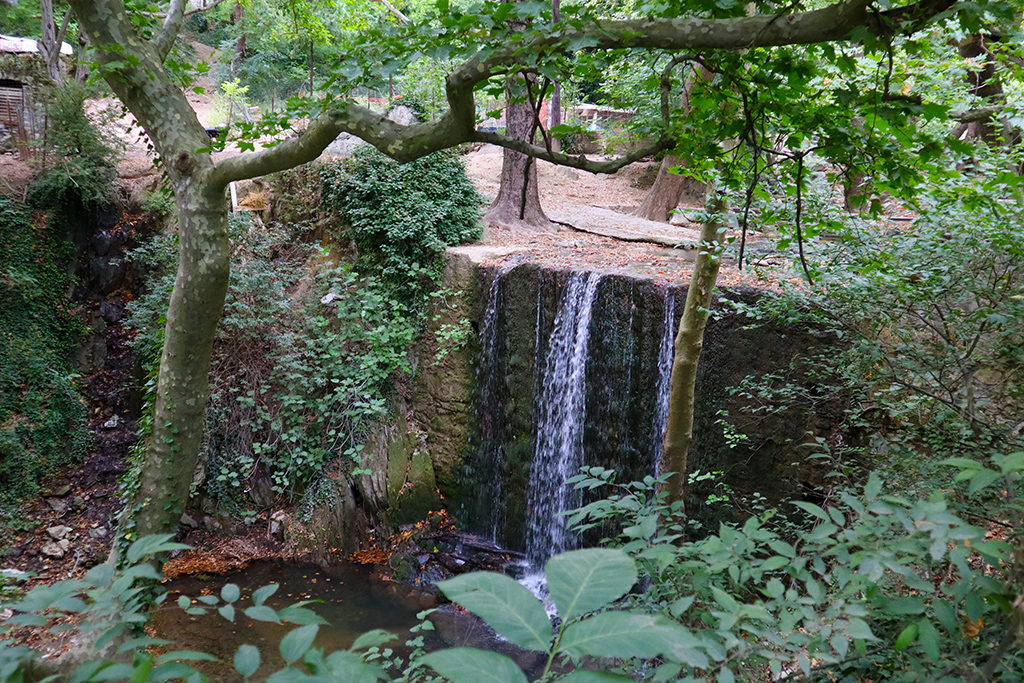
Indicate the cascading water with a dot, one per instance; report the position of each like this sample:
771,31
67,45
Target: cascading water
666,351
560,405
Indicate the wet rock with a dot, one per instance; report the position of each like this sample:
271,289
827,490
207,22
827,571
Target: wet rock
59,531
57,505
107,273
111,312
97,534
78,502
61,491
105,243
189,522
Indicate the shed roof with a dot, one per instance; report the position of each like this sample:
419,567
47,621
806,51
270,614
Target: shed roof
13,44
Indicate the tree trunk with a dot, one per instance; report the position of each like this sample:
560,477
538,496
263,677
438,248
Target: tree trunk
688,345
509,210
159,494
668,188
984,84
82,66
667,191
49,43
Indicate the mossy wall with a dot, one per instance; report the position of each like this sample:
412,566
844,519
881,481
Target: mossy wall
622,376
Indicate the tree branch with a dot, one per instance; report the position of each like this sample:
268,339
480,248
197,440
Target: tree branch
172,24
405,143
197,10
394,10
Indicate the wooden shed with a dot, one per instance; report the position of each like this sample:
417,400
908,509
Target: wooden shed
22,73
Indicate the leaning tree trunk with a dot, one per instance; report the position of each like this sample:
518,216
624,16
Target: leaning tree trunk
688,344
514,209
158,495
668,188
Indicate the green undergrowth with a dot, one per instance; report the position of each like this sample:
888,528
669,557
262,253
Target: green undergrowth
313,338
402,216
42,419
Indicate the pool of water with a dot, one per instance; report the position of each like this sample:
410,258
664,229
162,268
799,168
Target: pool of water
352,598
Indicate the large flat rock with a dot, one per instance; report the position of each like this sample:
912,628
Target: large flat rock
621,226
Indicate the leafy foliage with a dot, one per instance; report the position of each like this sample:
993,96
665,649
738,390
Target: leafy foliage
403,216
42,419
81,169
302,365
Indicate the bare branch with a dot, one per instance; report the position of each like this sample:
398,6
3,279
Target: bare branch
163,41
581,162
197,10
394,10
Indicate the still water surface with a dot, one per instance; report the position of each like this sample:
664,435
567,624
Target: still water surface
353,600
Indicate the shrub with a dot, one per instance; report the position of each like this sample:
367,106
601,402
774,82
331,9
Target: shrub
81,156
42,420
403,216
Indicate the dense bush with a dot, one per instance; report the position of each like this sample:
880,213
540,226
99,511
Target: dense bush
403,216
42,420
79,169
301,364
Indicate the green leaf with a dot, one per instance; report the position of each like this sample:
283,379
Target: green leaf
928,636
774,562
507,607
300,616
297,641
372,639
1012,463
260,595
262,614
186,656
813,509
466,665
230,593
621,634
227,611
906,637
247,660
350,668
581,581
945,614
184,602
152,545
981,480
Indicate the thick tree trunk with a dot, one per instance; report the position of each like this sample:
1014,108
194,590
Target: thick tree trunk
688,345
157,502
510,211
668,188
667,191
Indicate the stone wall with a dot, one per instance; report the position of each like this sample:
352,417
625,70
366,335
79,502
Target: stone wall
468,427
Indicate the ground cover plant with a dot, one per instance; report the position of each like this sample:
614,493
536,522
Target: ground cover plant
42,419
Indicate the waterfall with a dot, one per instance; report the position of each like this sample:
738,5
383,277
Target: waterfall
491,433
665,355
560,405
